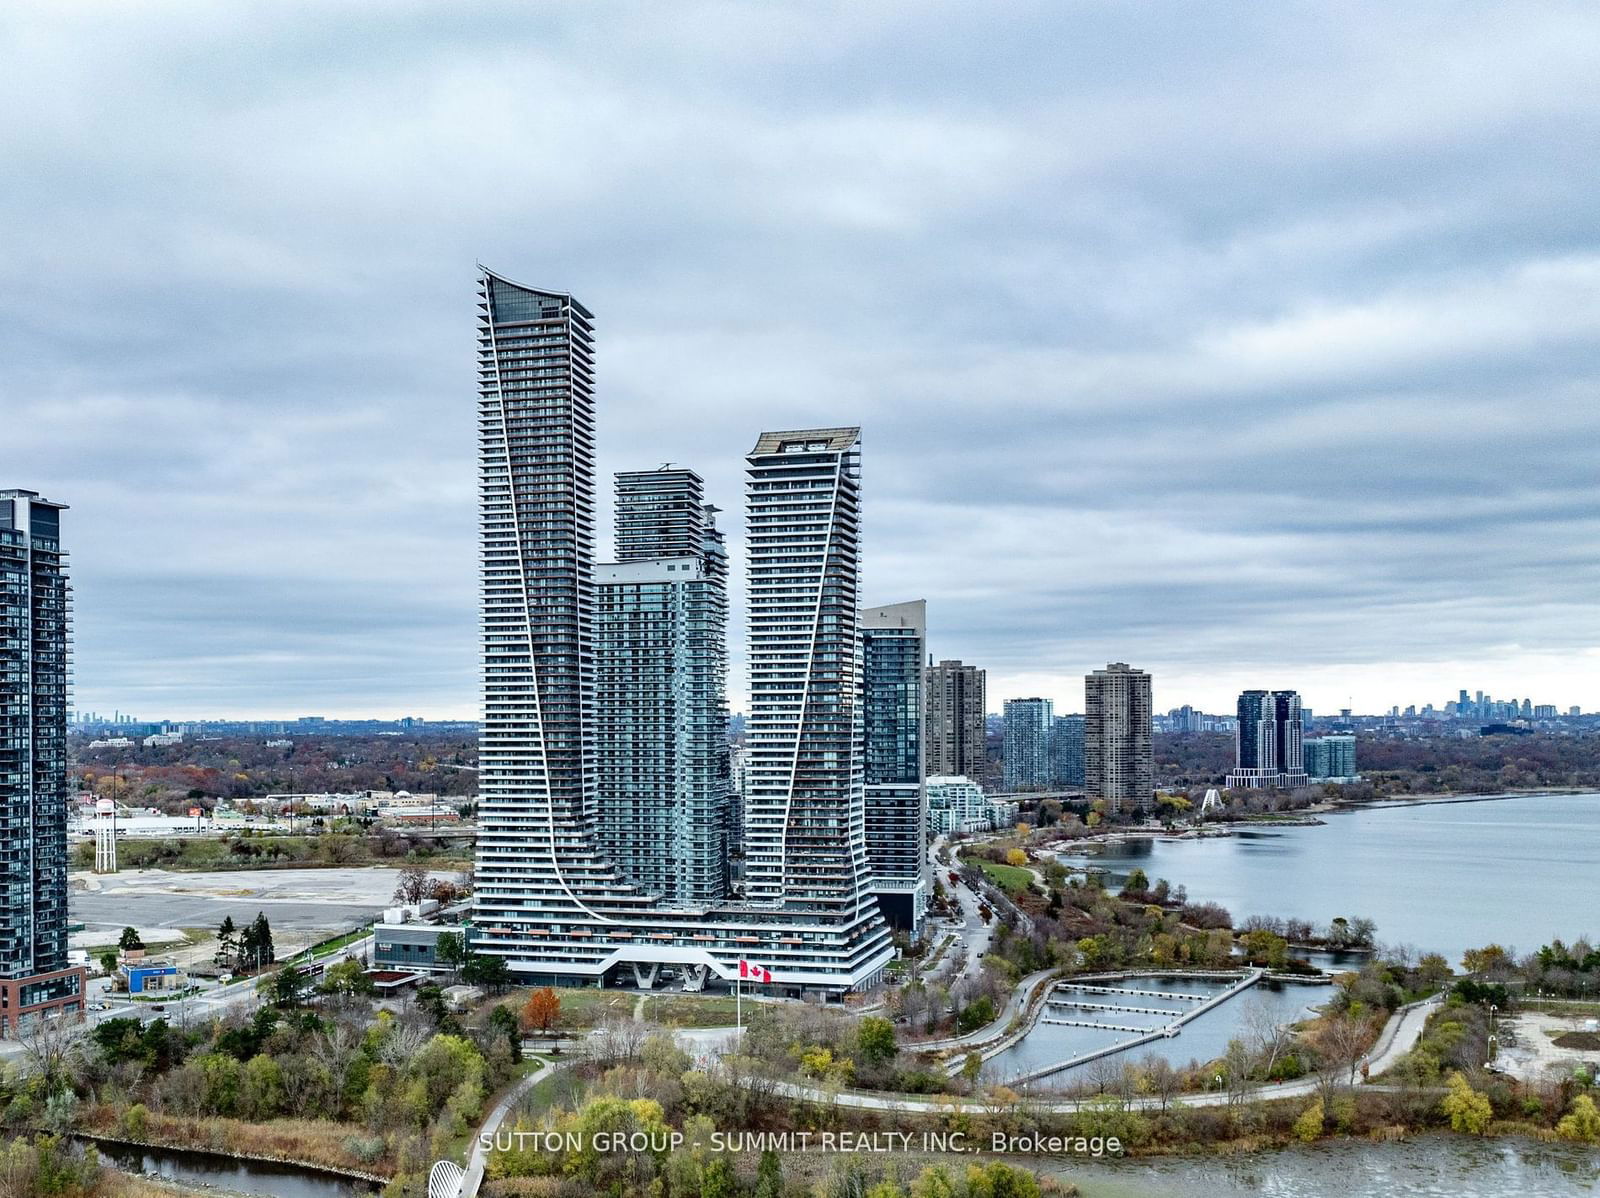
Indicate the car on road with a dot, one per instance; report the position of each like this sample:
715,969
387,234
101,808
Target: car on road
160,1006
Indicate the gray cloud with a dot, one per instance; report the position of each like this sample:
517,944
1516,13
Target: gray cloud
1239,342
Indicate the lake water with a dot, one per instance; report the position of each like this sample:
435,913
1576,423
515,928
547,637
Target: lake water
1435,1166
1441,876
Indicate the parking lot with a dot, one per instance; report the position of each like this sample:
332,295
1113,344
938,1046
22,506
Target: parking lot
305,901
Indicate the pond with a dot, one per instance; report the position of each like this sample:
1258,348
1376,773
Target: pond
231,1174
1203,1039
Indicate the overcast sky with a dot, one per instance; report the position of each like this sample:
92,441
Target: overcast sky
1256,345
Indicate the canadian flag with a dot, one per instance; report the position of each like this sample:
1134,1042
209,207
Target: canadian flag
756,973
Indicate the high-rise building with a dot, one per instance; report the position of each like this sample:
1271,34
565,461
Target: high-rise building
805,838
1331,758
956,730
893,643
1066,751
1025,764
1118,756
35,978
548,898
1268,741
660,705
1290,733
1255,743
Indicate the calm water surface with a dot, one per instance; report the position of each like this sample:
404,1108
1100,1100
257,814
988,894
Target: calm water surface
1203,1039
1442,876
230,1175
1445,1166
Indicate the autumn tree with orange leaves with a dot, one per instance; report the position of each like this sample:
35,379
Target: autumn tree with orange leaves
541,1011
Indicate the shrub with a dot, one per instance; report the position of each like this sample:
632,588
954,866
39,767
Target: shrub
1309,1125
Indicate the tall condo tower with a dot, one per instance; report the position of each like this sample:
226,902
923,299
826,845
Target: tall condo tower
35,978
1289,732
1118,756
1066,751
549,898
1269,743
1029,724
805,832
1255,743
537,858
893,643
660,709
956,728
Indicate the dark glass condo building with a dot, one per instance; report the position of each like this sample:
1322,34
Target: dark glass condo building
892,646
35,979
1269,742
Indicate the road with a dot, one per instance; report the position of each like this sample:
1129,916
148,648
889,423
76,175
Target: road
974,933
232,998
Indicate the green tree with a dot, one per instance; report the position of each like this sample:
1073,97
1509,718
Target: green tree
1469,1110
288,987
451,949
976,1014
481,969
769,1175
1581,1122
1138,882
130,940
227,954
347,977
255,944
875,1041
108,961
718,1180
503,1022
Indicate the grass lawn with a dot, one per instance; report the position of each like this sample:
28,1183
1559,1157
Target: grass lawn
1012,879
583,1008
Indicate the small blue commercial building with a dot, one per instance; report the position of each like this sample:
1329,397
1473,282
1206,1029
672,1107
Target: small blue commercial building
144,976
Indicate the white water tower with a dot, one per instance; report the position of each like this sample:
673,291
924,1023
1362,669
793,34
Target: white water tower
105,837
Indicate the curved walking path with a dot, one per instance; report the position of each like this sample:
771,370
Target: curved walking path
1399,1035
1020,999
473,1177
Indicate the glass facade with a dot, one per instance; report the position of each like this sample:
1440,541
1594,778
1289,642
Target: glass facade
892,650
661,712
34,619
1268,741
1066,751
548,898
1028,727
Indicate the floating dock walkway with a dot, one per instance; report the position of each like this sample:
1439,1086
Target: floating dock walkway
1144,1035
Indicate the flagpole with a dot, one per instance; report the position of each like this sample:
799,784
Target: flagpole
738,1010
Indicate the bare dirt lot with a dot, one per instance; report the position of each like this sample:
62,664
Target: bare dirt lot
1533,1052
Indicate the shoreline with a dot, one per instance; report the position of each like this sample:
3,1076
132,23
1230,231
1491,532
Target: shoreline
1306,817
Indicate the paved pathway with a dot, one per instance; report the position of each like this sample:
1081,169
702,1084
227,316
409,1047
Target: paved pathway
1397,1038
473,1177
1015,1005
